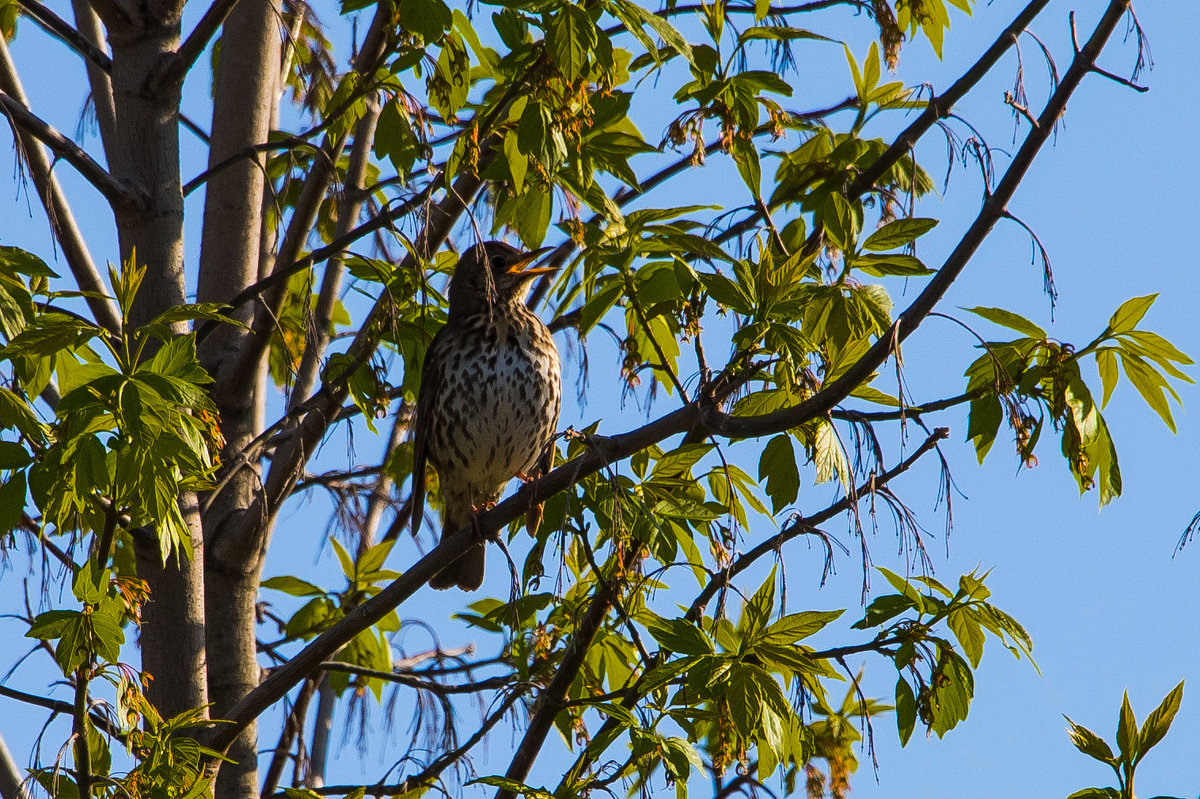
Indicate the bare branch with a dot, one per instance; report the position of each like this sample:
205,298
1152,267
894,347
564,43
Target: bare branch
60,29
59,706
23,120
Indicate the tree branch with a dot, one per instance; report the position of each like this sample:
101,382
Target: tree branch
994,208
413,682
58,211
59,706
60,29
177,68
806,524
23,120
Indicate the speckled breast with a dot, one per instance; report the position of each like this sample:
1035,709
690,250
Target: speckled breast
499,397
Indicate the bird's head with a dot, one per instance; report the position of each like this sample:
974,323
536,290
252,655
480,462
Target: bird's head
493,273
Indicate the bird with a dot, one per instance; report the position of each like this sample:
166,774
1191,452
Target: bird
489,397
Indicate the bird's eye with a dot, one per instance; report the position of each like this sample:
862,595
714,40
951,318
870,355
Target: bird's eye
497,261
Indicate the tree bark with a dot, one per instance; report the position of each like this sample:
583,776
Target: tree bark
145,155
245,94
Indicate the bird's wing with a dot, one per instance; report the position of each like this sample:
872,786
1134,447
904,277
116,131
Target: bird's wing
432,373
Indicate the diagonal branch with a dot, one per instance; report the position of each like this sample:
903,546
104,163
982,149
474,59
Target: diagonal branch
58,211
23,120
937,109
805,525
60,29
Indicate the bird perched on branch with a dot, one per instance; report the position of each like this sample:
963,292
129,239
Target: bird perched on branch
489,397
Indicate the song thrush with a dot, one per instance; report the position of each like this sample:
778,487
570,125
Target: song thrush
489,396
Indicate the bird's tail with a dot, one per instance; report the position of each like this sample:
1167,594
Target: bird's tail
466,572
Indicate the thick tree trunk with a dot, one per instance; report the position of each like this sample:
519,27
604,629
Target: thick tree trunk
145,154
245,94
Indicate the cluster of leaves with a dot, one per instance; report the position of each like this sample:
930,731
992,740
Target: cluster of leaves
717,692
1133,743
131,431
1033,380
167,757
370,649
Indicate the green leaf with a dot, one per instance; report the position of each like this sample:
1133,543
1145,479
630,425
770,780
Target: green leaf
745,155
1159,721
429,19
1096,793
395,139
727,292
884,608
347,562
640,16
1130,313
14,259
313,617
1127,730
514,786
106,627
1010,320
12,502
73,649
1106,363
967,630
13,455
570,38
855,72
780,33
518,162
52,624
1151,385
906,710
679,635
841,223
1089,742
679,461
797,626
594,309
293,585
89,586
757,609
830,457
891,264
951,693
777,465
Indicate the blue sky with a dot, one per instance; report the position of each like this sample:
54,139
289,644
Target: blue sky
1108,602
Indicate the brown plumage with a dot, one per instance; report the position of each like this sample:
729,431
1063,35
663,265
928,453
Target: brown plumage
489,397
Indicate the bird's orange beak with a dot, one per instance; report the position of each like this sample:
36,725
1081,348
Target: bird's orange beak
518,267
